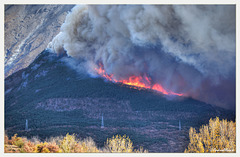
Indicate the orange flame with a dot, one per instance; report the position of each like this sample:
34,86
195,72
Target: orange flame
136,81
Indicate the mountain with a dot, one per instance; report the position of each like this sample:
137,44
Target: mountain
56,99
27,31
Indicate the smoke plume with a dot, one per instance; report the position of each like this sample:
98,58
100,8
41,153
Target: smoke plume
186,48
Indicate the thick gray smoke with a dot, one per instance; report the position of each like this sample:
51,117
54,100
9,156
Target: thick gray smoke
186,48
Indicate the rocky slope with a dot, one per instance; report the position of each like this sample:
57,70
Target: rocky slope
27,30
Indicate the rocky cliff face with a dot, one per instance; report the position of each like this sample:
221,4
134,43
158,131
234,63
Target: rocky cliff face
27,31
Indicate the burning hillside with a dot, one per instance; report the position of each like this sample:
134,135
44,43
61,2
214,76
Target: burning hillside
136,81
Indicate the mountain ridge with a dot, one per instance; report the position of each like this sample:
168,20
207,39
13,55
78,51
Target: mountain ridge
27,30
57,99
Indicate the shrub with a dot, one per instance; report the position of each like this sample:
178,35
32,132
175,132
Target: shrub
56,139
47,148
35,140
13,145
11,149
42,148
88,146
217,137
140,150
6,139
69,143
29,147
53,148
119,144
17,141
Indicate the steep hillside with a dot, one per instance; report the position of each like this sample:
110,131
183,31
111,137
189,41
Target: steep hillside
55,99
27,31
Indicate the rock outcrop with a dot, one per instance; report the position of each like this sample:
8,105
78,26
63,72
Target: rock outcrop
27,31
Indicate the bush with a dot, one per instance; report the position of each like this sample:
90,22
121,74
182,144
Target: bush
140,150
6,139
119,144
88,146
47,148
11,149
69,144
29,147
217,137
14,144
17,141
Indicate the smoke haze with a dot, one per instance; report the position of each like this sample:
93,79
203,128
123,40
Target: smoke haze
189,49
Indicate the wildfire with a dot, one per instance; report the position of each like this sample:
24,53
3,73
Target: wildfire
136,81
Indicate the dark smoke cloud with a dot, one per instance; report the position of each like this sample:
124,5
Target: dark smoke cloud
187,48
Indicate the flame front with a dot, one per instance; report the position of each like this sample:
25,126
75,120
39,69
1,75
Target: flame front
136,81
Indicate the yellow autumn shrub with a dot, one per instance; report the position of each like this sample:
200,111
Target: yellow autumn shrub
47,148
69,144
140,150
119,144
14,144
88,146
18,141
29,147
219,136
11,149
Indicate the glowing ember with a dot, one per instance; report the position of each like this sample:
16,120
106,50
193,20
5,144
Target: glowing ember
136,81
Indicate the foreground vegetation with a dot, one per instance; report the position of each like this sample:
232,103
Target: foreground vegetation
69,144
217,137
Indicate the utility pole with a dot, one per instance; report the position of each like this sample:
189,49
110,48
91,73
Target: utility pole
26,126
102,126
180,125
